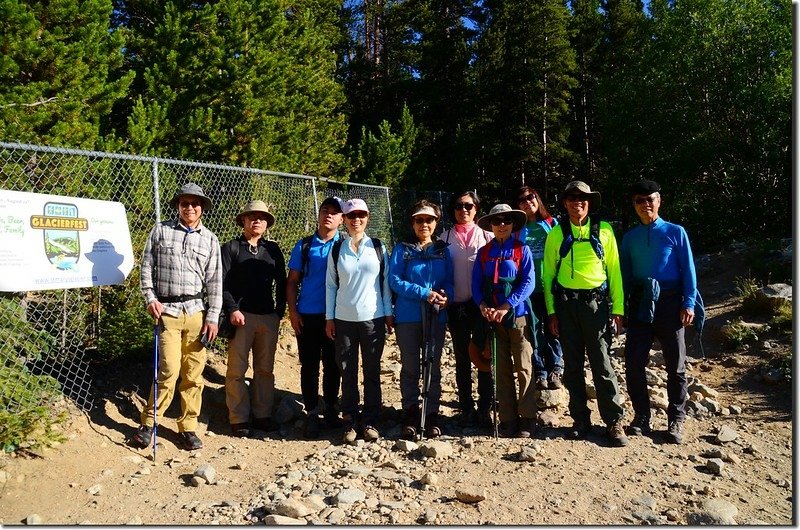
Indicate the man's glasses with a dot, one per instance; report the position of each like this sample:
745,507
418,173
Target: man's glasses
464,206
576,198
424,220
190,204
356,215
257,218
527,198
642,200
497,221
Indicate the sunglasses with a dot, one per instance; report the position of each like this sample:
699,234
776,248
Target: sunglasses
424,220
642,200
356,215
253,218
190,204
464,206
575,198
526,198
497,221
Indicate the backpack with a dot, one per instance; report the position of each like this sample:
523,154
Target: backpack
337,247
516,257
569,239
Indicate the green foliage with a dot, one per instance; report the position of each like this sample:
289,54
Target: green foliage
384,157
783,318
56,84
125,326
736,334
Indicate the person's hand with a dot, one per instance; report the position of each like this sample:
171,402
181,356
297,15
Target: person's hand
237,318
487,312
210,331
330,329
297,322
687,317
155,308
617,322
500,313
390,324
552,323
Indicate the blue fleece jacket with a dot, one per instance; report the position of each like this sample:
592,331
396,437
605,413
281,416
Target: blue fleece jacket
660,250
413,272
520,290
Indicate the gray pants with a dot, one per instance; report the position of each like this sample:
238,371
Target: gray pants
369,336
412,347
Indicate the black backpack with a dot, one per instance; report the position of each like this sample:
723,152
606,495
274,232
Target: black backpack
337,247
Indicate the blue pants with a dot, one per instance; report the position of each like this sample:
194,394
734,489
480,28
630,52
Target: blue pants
547,356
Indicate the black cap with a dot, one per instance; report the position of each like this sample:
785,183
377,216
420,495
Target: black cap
332,201
645,187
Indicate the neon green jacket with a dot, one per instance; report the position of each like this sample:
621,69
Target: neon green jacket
581,268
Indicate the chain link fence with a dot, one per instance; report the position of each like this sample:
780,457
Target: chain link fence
54,336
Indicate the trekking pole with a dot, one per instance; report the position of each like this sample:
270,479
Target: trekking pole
427,326
155,388
494,377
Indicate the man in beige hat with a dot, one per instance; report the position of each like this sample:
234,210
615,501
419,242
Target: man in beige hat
181,261
254,297
583,294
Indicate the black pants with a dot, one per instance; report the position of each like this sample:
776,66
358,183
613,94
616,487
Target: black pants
667,328
314,346
462,319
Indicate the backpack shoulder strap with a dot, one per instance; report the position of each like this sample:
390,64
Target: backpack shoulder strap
305,248
378,244
337,247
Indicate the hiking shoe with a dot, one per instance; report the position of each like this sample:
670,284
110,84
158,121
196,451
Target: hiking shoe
639,426
541,383
432,429
265,424
554,381
675,432
371,434
507,429
143,436
527,427
580,430
349,435
311,428
617,434
240,430
189,441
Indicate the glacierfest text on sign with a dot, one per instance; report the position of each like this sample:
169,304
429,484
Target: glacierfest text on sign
56,242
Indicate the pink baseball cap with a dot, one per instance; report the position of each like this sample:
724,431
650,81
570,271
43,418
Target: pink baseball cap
354,205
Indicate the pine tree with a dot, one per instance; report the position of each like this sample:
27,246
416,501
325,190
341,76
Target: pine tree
56,85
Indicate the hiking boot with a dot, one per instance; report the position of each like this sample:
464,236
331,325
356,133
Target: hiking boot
349,435
240,430
143,436
265,424
508,429
311,427
527,427
541,383
617,434
432,429
554,381
189,441
639,426
675,432
410,422
371,434
580,430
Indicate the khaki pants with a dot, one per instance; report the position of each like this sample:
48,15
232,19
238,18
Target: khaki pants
260,332
516,398
180,353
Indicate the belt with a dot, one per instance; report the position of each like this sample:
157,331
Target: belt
181,298
583,294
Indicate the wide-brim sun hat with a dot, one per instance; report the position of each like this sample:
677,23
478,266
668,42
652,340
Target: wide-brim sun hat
518,217
584,189
190,188
252,207
354,205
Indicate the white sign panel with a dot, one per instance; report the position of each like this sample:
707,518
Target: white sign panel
55,242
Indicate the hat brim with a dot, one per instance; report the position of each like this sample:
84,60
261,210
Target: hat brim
518,216
205,200
594,196
270,217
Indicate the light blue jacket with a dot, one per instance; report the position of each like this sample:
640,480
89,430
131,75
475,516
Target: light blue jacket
359,296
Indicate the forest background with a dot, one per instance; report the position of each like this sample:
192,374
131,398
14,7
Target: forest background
429,94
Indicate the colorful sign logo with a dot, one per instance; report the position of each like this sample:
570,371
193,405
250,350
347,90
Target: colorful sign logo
60,225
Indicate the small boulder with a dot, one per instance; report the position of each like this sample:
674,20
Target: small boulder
291,507
715,465
726,434
405,445
273,519
207,473
33,519
349,496
714,512
430,479
436,449
470,495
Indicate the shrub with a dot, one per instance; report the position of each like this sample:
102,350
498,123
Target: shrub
736,334
782,320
